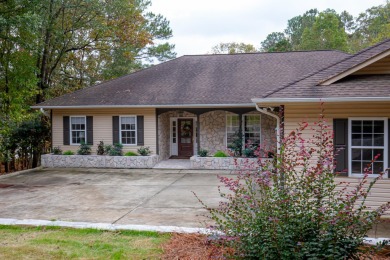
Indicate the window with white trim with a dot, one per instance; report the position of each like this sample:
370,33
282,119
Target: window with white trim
232,128
368,138
78,132
128,129
252,129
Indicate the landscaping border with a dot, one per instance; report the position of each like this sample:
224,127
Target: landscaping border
98,161
225,163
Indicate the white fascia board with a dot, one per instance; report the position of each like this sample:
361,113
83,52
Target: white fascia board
148,106
315,100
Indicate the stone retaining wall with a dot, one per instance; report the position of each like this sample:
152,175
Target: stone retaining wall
225,163
98,161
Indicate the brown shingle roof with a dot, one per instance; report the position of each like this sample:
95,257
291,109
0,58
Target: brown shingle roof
203,79
309,86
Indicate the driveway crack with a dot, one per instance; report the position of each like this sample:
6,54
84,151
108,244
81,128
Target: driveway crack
151,197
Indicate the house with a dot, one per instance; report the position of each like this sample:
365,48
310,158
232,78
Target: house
201,101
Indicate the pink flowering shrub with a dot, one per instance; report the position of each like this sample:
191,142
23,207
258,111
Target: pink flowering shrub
291,208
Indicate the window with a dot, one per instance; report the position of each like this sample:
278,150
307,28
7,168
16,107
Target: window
232,128
78,129
252,128
128,129
367,140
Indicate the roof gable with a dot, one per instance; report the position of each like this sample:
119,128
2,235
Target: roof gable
333,80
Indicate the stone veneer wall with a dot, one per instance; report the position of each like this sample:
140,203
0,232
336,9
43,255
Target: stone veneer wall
213,131
164,131
225,163
98,161
268,133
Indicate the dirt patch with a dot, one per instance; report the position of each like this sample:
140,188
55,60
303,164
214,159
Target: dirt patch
198,247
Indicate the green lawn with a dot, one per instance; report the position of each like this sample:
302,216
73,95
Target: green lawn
65,243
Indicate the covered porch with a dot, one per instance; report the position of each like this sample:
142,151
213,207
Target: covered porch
183,132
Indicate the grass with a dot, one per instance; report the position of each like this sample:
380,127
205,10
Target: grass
65,243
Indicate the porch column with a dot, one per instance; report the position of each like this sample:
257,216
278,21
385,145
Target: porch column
240,130
197,133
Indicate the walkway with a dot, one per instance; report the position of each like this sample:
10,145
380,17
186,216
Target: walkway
174,164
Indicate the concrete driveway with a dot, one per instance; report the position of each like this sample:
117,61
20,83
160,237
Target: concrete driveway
140,197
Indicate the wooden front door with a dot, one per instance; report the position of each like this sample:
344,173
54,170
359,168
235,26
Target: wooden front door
185,140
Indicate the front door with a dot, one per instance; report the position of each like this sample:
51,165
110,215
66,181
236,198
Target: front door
186,144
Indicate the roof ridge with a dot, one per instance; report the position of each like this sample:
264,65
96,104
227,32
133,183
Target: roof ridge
312,74
259,52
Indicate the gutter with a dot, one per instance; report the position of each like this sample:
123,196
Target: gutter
264,111
316,100
146,106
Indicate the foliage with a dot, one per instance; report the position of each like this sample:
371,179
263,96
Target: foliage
113,150
100,149
236,145
203,152
68,153
130,153
25,141
249,152
144,151
70,44
328,29
232,48
84,149
276,41
57,150
326,33
220,154
292,207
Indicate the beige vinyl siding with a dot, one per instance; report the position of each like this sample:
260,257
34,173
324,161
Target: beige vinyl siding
102,126
380,67
296,113
379,195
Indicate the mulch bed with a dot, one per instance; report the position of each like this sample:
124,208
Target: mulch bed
194,247
198,247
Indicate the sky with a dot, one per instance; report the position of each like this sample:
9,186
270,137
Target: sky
198,25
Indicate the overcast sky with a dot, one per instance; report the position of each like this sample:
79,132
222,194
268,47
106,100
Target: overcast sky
198,25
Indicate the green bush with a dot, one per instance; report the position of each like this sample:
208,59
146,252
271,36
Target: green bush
68,153
113,150
249,152
130,153
100,149
57,150
293,208
220,154
84,149
203,152
144,151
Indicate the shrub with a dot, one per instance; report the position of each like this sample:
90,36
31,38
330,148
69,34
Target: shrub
292,207
68,153
236,145
249,152
57,150
100,149
113,150
144,151
203,152
130,153
84,149
220,154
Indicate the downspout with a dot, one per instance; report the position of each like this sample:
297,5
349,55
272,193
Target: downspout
264,111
